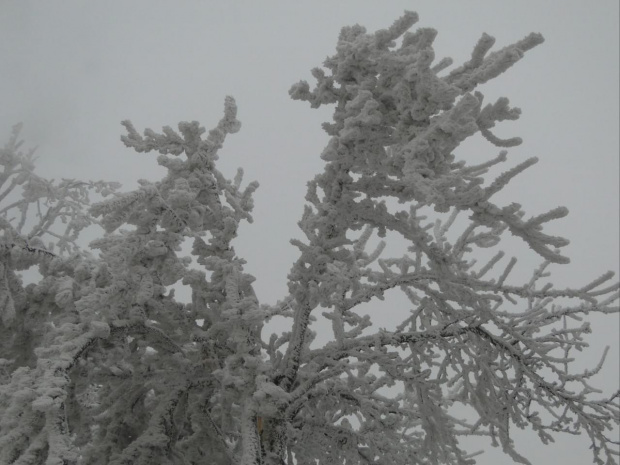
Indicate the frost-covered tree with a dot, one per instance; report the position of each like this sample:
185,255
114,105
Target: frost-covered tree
101,364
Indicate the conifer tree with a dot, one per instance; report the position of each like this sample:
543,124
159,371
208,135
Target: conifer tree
101,364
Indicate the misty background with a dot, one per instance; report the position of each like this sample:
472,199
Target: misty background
72,70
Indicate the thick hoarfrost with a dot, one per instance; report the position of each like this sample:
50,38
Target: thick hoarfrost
102,365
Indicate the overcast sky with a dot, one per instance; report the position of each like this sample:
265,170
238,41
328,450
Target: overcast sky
71,70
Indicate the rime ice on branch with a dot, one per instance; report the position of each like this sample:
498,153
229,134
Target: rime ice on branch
395,127
104,366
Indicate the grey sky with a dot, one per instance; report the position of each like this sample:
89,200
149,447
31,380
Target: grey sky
72,70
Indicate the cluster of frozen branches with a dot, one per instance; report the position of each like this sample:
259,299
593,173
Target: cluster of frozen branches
102,365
